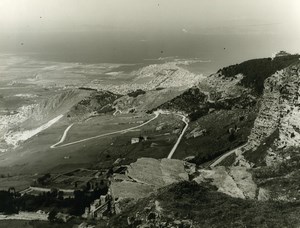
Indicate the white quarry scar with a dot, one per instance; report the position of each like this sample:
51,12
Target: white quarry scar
14,138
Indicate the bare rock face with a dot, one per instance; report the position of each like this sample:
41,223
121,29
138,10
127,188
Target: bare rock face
157,172
279,110
263,194
219,87
147,175
129,189
234,181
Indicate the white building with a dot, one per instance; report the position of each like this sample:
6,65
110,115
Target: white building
135,140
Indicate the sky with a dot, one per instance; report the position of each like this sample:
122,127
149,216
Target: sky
223,31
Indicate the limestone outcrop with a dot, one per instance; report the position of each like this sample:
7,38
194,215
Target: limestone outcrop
234,181
147,175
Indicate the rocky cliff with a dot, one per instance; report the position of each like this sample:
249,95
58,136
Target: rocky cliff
278,118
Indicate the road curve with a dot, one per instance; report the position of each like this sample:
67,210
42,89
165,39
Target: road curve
185,120
220,159
63,137
57,145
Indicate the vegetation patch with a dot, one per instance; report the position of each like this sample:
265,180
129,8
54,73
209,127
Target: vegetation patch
136,93
257,70
225,130
98,102
208,208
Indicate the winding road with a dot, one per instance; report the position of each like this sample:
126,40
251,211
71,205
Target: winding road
63,138
59,143
185,120
220,159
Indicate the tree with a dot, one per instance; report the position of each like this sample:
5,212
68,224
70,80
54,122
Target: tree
54,192
60,195
52,215
7,203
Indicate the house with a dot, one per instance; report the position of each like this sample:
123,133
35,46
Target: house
199,133
98,207
63,217
135,140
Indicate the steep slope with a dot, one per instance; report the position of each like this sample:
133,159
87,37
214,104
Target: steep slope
272,147
138,101
188,204
234,95
258,186
277,122
257,70
96,103
189,101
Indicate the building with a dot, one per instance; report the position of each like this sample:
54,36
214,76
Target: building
97,209
135,140
280,54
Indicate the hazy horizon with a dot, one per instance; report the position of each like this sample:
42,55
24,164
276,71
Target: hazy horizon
224,32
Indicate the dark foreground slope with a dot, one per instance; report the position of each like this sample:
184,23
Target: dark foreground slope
188,203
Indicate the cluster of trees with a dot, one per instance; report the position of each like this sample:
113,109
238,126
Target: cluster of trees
136,93
44,180
257,70
197,113
12,203
7,202
192,101
188,101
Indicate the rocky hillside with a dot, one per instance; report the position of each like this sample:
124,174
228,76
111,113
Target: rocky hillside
258,184
188,204
189,101
257,70
276,126
96,103
197,102
143,101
